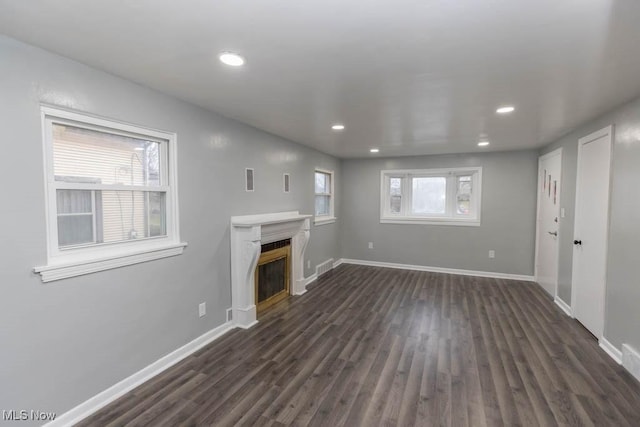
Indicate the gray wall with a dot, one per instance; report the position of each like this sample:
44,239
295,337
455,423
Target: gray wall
622,317
66,341
508,216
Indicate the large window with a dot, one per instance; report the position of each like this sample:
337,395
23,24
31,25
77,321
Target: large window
111,191
431,196
324,212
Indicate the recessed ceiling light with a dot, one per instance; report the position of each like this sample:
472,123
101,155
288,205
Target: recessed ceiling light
232,59
506,109
375,150
483,143
337,127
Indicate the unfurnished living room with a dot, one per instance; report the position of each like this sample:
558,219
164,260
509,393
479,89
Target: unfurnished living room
320,213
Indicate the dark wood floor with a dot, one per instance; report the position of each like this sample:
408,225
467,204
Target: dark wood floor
374,346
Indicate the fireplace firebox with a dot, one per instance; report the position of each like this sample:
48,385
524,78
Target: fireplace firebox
272,274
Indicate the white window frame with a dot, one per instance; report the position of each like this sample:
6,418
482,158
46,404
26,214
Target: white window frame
450,217
330,218
75,261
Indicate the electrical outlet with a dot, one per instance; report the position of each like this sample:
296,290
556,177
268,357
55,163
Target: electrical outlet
562,213
308,263
370,245
202,309
492,254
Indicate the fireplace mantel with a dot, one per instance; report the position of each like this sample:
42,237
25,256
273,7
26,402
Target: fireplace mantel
248,233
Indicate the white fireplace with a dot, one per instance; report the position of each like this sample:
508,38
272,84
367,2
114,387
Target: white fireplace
248,233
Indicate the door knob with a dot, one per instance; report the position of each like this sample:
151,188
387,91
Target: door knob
553,233
577,242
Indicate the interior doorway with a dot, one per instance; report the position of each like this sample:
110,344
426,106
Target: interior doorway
591,230
548,221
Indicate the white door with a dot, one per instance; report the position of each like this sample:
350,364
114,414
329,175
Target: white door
549,172
591,230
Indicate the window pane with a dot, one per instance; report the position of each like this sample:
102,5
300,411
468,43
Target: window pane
75,230
89,156
130,215
73,201
395,197
429,195
322,205
156,214
323,183
463,196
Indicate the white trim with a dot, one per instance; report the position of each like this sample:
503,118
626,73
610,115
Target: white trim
102,122
324,267
309,280
556,152
611,350
248,233
490,274
314,276
75,261
450,217
631,360
321,220
107,396
576,220
563,305
50,273
430,221
330,218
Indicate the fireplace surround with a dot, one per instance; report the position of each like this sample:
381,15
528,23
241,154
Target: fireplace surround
248,234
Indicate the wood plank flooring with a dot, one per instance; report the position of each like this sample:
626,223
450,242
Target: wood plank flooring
371,346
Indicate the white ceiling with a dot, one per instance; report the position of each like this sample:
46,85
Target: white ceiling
407,76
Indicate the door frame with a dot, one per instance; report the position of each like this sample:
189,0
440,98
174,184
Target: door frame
556,152
606,131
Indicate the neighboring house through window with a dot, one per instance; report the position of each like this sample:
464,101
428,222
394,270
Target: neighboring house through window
324,200
431,196
111,193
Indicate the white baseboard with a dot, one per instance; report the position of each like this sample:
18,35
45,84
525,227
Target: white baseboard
490,274
324,267
611,350
631,360
315,275
564,306
102,399
310,279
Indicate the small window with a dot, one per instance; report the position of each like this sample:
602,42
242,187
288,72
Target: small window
431,196
111,190
324,209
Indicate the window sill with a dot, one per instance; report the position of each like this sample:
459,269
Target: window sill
324,220
53,272
430,221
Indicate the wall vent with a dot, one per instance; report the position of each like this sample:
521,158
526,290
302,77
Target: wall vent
248,179
286,182
229,315
324,267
